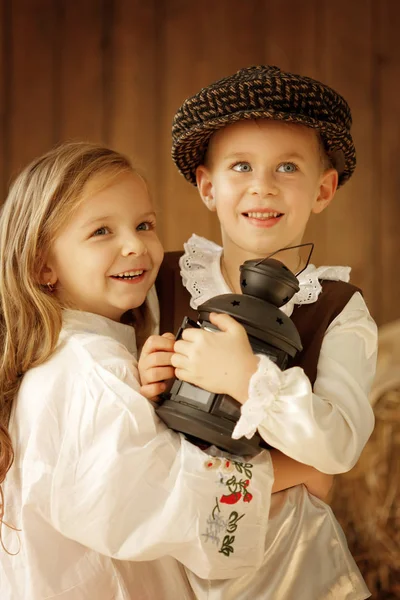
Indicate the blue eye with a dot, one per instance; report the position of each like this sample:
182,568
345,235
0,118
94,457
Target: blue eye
145,226
242,167
101,231
287,168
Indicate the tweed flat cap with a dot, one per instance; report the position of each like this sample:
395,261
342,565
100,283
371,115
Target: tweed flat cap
263,92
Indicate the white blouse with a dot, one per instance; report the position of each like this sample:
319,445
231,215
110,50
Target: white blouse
105,498
328,426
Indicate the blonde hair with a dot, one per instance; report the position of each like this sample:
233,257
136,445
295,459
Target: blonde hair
39,203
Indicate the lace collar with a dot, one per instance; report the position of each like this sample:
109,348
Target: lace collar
201,275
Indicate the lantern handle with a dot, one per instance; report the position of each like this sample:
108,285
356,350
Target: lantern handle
291,248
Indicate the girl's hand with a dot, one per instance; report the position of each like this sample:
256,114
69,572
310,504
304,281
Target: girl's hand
155,365
221,362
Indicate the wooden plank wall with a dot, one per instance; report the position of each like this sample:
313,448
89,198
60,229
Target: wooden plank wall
115,71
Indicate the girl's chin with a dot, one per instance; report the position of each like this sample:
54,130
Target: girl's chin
134,303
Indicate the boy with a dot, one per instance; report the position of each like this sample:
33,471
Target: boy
266,149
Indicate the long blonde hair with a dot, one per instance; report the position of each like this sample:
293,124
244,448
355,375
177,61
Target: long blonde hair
39,203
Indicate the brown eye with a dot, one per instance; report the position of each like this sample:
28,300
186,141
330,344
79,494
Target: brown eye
101,231
145,226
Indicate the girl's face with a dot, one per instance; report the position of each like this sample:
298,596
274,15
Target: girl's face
107,256
264,178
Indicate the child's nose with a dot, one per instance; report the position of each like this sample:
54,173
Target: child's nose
263,185
133,245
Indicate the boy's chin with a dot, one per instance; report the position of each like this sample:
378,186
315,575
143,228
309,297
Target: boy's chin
263,246
259,249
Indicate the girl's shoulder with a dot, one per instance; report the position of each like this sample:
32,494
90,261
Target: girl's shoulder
79,359
87,343
91,359
88,375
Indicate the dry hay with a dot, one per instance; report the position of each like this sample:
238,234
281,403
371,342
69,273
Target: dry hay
366,501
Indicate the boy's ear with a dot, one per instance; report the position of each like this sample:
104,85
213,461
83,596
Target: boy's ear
327,190
205,187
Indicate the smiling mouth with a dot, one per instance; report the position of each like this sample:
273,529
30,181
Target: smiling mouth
128,275
263,216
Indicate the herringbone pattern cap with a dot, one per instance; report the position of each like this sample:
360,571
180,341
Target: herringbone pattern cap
263,92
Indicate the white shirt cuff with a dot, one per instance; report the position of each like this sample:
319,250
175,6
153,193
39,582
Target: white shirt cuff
264,389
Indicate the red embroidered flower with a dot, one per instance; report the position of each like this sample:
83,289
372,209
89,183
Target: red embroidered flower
232,498
248,497
212,463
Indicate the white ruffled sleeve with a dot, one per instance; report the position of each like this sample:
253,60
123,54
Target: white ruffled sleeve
328,427
128,487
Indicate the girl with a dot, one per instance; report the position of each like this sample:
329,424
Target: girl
99,499
265,153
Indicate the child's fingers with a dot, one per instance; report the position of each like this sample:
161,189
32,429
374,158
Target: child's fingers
191,334
168,336
184,375
182,347
152,391
157,343
180,361
157,359
157,374
224,322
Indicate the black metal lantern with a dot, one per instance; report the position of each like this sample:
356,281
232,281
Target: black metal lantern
266,286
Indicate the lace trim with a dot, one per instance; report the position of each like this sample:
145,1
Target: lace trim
202,277
264,389
200,270
310,287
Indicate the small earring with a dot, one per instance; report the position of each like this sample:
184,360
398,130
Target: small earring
50,287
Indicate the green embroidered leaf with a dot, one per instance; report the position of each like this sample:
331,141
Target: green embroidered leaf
233,521
232,484
248,473
227,547
216,507
244,468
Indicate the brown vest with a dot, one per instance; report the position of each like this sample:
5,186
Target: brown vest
311,320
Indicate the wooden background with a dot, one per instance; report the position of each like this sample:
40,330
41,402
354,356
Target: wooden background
115,71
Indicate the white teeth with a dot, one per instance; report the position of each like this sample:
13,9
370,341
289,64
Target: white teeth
262,215
129,274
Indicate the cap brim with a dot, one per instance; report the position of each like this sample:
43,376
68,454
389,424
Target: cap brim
189,149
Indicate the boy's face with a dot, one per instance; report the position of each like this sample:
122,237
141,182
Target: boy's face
264,179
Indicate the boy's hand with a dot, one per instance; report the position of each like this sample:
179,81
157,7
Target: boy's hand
319,484
221,362
288,473
155,365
